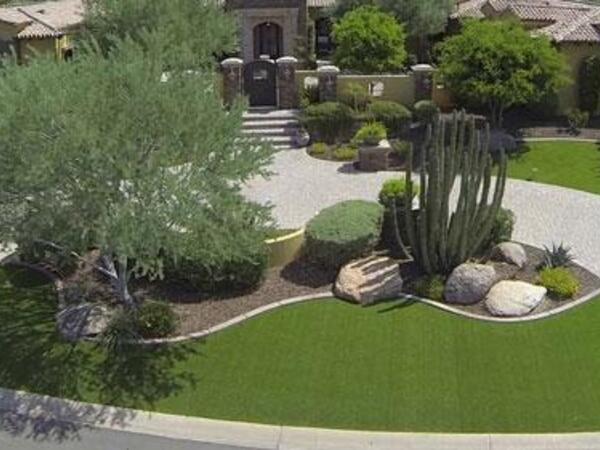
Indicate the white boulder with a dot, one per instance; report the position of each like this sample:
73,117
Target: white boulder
514,298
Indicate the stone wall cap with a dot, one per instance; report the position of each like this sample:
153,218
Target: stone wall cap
328,69
422,68
287,60
232,62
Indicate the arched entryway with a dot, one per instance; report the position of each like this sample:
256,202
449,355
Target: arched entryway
268,40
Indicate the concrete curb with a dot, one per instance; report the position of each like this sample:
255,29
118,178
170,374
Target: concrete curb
33,410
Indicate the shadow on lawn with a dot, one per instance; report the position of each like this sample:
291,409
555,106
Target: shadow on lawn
34,358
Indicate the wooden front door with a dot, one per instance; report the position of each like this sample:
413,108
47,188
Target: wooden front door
268,40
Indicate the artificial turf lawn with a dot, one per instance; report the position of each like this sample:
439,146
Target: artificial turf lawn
331,364
569,164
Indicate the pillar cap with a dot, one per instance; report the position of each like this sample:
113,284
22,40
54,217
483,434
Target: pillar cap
328,69
229,62
287,60
422,68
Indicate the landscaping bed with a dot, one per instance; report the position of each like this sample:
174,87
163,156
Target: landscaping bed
588,283
197,313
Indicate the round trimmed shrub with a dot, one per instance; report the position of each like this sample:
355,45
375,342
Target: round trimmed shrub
560,282
370,134
328,122
155,320
425,111
395,117
343,232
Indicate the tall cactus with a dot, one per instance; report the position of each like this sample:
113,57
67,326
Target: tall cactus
455,157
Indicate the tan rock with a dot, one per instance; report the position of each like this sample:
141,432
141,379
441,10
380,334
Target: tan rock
368,280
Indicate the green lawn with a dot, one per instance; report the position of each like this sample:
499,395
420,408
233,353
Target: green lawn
331,364
574,165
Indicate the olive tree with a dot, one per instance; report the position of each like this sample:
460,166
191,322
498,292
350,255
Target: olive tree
108,153
499,64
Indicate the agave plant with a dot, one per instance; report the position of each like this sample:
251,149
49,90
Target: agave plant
557,256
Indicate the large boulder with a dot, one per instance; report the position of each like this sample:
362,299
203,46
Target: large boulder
514,298
469,282
510,253
76,322
368,280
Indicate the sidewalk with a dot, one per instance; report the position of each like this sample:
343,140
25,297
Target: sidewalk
66,419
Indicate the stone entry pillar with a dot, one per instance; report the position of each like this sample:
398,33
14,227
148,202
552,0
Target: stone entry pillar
328,83
423,81
286,82
232,70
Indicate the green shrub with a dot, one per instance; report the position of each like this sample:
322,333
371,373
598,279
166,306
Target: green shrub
346,153
394,116
318,149
503,227
577,119
370,134
329,121
394,191
237,273
356,96
309,95
560,282
425,111
369,40
430,287
343,232
155,320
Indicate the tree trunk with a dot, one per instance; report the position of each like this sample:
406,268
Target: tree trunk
119,279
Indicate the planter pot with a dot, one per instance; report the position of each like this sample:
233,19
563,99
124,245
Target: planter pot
285,249
372,158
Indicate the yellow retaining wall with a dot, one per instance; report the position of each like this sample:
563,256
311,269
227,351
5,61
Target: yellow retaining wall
285,249
397,88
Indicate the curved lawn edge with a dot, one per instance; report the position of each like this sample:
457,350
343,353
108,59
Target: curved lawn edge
329,295
39,410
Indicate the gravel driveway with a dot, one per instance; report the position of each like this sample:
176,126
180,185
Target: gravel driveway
301,186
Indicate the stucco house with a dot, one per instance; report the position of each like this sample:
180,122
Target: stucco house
45,27
278,28
574,27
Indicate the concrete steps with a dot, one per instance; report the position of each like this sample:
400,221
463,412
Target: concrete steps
276,126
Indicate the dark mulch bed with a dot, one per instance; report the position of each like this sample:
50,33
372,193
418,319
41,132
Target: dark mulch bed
589,282
197,313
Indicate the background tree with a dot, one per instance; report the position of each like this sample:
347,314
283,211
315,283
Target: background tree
191,30
422,18
88,151
498,64
369,40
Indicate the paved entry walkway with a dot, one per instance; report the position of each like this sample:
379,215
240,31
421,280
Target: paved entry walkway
302,186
